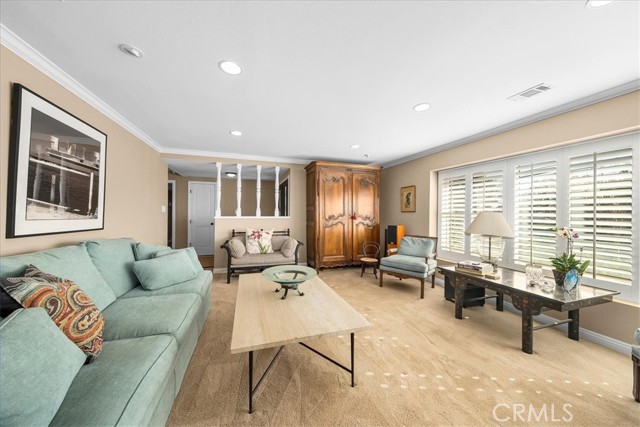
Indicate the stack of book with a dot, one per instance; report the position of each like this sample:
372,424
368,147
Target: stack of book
474,267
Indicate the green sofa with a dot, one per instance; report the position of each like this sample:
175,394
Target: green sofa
149,337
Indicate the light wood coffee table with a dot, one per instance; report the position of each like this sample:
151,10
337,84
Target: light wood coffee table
262,320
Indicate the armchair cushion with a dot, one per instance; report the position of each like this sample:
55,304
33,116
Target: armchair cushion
289,247
635,349
416,247
409,263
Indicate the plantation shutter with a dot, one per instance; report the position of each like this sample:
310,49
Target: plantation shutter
452,212
535,212
600,211
486,196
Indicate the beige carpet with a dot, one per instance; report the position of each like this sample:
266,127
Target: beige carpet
418,365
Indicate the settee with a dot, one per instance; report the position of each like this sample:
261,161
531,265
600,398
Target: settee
150,333
284,252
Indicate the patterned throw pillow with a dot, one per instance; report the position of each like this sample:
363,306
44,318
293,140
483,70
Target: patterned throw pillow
69,307
259,241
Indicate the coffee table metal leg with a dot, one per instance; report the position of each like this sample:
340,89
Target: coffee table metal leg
459,296
353,371
250,381
500,301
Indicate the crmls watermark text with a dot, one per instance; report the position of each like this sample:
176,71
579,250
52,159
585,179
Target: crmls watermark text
548,413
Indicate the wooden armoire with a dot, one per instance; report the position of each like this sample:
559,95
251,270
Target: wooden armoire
342,212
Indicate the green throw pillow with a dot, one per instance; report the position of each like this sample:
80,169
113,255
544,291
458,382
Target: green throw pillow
193,256
38,365
164,271
146,251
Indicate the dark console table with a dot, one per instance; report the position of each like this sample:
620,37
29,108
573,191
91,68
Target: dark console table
530,300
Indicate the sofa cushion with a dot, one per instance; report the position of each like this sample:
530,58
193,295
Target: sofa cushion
71,262
191,253
43,363
288,248
198,285
236,247
145,316
66,304
129,377
114,260
147,251
276,258
416,246
410,263
258,241
164,271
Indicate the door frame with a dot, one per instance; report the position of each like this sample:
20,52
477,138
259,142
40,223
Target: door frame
172,183
189,210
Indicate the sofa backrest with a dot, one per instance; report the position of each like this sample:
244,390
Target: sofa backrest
69,262
114,260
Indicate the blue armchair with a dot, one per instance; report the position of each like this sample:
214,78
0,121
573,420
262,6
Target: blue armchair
415,259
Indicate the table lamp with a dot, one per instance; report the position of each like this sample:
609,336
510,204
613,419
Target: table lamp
489,225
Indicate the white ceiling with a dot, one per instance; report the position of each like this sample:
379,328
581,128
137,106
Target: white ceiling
321,76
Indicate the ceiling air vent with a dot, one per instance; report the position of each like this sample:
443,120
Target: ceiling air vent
532,91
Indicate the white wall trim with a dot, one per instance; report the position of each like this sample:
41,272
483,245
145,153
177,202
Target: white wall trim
600,339
614,92
231,156
21,48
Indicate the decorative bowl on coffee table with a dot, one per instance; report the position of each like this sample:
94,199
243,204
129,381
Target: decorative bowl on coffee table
289,277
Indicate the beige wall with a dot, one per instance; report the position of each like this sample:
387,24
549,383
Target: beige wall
614,116
135,174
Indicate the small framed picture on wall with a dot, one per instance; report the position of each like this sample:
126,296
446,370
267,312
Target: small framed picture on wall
408,199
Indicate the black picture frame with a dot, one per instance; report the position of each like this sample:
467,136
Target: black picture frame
57,169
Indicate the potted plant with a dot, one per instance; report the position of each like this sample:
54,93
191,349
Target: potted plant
567,261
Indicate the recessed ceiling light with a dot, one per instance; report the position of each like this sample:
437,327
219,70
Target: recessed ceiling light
355,146
230,67
421,107
235,133
595,4
131,50
231,174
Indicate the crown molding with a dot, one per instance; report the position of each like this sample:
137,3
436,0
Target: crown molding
232,156
27,52
614,92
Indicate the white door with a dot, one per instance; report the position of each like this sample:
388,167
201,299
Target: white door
202,207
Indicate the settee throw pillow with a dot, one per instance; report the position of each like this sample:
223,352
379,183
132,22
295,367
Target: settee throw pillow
289,247
167,270
259,241
237,248
67,305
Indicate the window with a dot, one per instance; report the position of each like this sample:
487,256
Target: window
600,211
589,187
453,210
534,198
486,195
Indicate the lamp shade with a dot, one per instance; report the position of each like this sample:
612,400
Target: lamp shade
490,224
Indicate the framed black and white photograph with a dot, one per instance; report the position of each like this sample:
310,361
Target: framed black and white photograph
56,169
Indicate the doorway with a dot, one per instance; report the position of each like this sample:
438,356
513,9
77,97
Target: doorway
202,196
